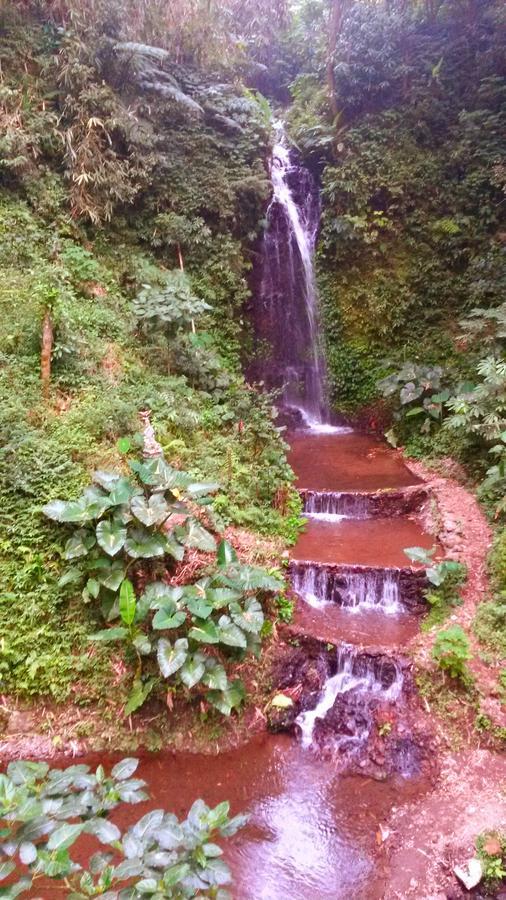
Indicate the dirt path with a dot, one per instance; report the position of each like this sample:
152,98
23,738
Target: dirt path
465,534
433,834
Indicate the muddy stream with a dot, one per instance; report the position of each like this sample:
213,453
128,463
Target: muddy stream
313,828
319,790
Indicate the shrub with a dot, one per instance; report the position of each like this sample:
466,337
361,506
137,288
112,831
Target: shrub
491,847
451,651
44,811
121,526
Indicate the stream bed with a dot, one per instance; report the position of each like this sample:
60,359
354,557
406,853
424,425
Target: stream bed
314,831
311,833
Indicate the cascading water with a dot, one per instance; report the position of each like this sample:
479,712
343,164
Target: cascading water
287,312
335,504
368,589
351,694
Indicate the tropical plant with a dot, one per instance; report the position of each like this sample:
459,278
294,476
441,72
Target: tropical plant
414,383
437,573
451,651
127,525
170,307
445,579
481,408
491,847
44,812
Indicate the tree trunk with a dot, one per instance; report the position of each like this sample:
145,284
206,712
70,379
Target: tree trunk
46,351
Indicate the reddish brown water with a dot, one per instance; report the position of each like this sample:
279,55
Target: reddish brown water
346,462
367,627
311,834
365,542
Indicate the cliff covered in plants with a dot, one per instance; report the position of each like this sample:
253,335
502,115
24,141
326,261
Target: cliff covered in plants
132,190
133,187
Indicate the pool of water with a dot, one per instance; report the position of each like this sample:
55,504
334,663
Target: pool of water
346,462
363,542
311,833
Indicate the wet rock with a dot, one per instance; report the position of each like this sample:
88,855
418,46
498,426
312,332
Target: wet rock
281,719
377,504
405,757
470,873
333,581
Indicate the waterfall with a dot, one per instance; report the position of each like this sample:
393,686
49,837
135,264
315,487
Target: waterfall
330,505
369,589
287,314
358,682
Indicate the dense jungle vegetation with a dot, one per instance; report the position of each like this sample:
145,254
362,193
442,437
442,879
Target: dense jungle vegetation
134,142
133,186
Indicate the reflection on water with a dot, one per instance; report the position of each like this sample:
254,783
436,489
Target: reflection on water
311,834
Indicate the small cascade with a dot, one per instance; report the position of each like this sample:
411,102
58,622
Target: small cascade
345,706
287,309
329,505
356,590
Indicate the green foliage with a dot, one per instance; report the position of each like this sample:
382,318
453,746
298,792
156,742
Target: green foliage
490,621
171,307
451,651
410,237
92,143
44,812
285,607
420,385
124,525
446,579
491,847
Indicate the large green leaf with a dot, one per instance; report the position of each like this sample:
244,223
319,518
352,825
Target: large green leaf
158,593
91,505
175,875
158,472
174,547
250,617
106,832
22,771
142,643
64,836
112,575
215,676
123,491
228,699
111,535
201,489
139,693
419,554
171,658
230,634
127,602
71,576
152,511
110,634
199,537
226,554
199,608
193,670
168,616
206,632
141,544
79,544
106,480
125,768
220,597
248,578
